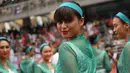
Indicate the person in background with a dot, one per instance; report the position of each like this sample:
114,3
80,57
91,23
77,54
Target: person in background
5,65
28,63
102,59
75,53
121,24
45,66
113,58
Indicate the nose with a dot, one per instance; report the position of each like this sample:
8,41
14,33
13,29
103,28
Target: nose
5,49
63,25
114,30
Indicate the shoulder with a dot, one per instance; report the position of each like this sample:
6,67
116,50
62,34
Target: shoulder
12,66
127,45
66,47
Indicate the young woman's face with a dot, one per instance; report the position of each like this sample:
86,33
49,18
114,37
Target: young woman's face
31,52
4,49
119,28
70,29
46,53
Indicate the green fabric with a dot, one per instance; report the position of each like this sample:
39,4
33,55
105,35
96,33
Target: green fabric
102,60
76,56
42,68
27,65
124,60
11,66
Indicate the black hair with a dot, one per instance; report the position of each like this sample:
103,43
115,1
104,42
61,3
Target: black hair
126,14
122,21
92,39
5,39
66,13
25,48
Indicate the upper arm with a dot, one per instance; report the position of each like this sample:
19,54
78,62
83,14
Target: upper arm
37,69
68,59
107,62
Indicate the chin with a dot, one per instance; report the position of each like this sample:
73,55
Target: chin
5,57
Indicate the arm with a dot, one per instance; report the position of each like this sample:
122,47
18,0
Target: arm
37,69
107,63
68,59
124,60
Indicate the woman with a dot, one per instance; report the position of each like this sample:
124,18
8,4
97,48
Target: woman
5,65
45,66
121,25
102,59
75,55
27,64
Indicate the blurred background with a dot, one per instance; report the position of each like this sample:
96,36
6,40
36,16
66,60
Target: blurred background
30,22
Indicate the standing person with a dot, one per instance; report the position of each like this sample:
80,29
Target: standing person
75,55
5,65
121,25
45,66
102,59
28,63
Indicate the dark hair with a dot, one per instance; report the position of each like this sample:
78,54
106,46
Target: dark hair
41,48
66,14
25,48
125,13
92,39
123,22
4,39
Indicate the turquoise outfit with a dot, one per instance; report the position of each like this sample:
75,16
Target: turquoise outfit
76,56
124,60
43,68
102,60
27,65
10,65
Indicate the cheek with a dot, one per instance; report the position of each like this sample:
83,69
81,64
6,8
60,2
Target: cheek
58,27
43,54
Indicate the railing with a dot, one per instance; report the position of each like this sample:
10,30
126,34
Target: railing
33,7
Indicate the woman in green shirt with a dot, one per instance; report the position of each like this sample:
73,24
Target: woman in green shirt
5,65
121,25
75,54
45,66
102,59
28,63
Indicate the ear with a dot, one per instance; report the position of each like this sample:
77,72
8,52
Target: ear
81,21
127,25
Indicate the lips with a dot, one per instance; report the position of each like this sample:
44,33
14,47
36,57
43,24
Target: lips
64,32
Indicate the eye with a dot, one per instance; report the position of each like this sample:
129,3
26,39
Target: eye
7,46
1,47
60,22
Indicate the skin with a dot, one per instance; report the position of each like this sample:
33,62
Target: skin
31,53
4,49
46,54
4,52
70,29
121,30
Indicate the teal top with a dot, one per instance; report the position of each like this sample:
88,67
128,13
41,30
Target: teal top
102,60
11,66
43,68
76,56
27,65
124,60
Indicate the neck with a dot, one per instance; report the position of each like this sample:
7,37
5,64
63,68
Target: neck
75,35
3,60
95,46
128,34
28,55
46,61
